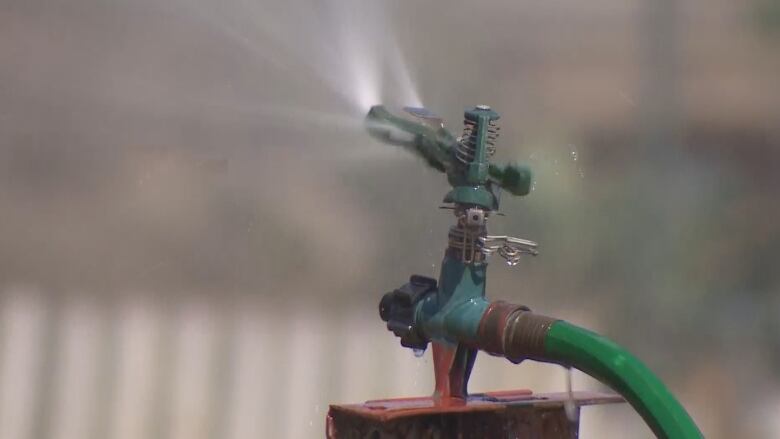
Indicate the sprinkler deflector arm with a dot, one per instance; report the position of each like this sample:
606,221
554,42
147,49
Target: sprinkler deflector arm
436,146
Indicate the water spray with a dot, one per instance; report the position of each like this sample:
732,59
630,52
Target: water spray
453,315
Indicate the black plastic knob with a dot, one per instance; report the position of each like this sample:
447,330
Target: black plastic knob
398,306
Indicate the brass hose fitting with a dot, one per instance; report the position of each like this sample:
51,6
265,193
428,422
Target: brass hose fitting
513,331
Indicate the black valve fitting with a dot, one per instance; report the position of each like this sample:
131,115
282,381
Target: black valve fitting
397,308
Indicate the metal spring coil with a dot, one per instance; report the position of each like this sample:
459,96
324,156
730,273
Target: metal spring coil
467,244
466,149
492,137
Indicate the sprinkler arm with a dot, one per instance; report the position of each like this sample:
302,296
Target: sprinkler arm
423,133
426,137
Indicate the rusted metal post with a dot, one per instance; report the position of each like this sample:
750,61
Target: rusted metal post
511,414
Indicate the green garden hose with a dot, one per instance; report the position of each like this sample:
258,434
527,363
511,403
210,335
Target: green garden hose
606,361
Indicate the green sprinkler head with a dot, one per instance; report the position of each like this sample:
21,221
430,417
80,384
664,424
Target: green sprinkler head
465,159
453,314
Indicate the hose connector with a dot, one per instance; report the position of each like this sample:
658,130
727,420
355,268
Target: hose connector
513,331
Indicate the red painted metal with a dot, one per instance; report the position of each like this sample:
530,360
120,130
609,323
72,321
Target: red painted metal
443,359
452,367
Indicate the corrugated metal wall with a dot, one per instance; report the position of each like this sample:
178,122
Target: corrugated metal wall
77,366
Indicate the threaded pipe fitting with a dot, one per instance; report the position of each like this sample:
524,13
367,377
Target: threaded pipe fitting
525,335
513,331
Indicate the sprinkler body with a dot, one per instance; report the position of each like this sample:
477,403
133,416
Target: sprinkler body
452,313
448,312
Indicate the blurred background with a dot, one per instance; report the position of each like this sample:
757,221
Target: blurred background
195,231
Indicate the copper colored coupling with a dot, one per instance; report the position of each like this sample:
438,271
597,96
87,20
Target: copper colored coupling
513,331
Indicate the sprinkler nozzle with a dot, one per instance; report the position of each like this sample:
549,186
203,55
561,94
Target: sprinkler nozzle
416,129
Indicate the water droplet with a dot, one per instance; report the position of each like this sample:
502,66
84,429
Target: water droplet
570,405
418,352
574,155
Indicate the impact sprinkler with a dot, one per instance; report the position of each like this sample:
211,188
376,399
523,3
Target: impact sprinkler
447,313
453,315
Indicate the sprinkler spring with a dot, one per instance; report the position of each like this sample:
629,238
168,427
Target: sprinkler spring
466,148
